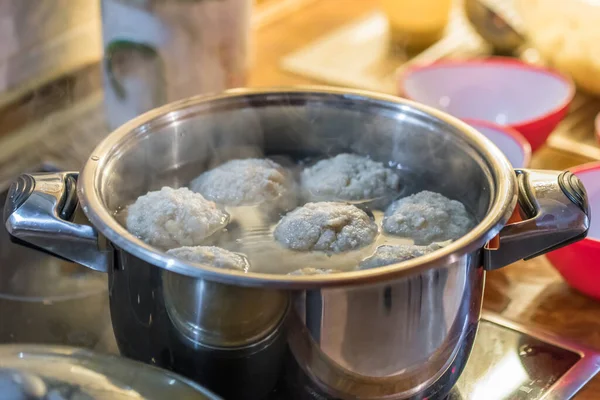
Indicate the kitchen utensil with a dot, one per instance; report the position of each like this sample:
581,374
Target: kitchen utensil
530,99
492,27
580,264
567,36
59,372
510,142
390,332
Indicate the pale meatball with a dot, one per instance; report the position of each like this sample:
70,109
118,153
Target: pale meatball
251,181
427,217
348,177
327,226
170,218
213,256
386,255
313,271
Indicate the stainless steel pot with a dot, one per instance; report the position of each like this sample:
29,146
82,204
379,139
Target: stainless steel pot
399,331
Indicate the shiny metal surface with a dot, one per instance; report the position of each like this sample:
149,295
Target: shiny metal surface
389,332
37,222
510,360
47,300
172,144
497,31
146,330
57,372
552,219
389,340
214,314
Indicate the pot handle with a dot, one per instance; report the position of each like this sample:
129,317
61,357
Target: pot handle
555,212
39,213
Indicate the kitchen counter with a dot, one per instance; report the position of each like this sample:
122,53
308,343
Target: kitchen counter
531,293
528,292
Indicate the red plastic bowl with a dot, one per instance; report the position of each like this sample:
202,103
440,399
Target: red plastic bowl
514,145
530,99
579,263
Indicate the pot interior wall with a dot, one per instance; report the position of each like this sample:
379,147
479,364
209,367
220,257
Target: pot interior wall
175,147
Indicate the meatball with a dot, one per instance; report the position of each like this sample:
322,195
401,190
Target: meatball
327,226
170,218
313,271
251,181
427,217
213,256
386,255
348,177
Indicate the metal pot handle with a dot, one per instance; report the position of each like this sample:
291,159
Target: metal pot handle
555,213
39,213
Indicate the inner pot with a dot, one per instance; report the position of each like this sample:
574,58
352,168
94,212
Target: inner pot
171,145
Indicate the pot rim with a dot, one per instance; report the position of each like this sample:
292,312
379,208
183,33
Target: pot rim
102,219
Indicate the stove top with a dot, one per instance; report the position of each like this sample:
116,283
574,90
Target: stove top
513,362
509,362
44,300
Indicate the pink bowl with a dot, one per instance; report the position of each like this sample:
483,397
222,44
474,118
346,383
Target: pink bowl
579,263
530,99
514,145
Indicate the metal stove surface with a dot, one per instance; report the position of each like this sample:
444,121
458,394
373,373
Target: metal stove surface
508,362
44,300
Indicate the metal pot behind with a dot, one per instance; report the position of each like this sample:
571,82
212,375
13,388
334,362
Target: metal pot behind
393,332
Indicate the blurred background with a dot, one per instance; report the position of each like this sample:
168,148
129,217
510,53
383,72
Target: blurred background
138,54
71,71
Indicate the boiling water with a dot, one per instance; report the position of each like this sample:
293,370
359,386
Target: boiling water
267,255
250,231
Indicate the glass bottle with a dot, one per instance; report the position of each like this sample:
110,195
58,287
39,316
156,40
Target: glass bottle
160,51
